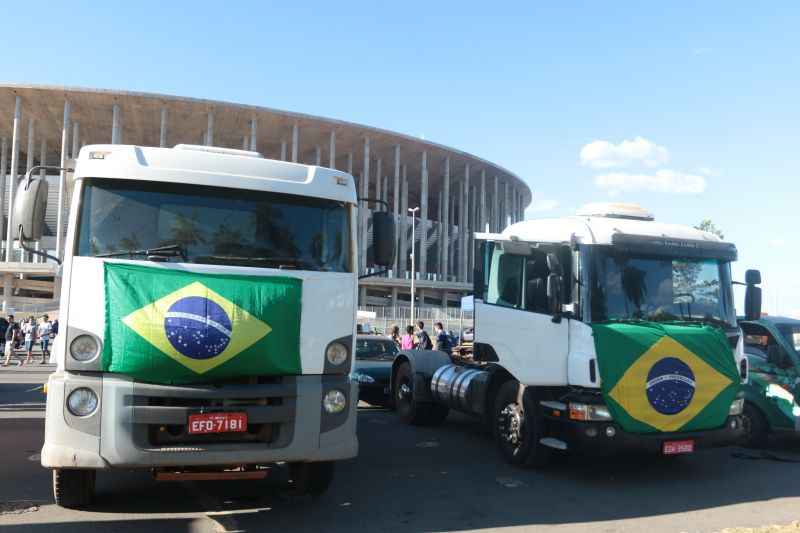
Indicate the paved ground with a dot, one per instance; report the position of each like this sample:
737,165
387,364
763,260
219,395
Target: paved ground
413,479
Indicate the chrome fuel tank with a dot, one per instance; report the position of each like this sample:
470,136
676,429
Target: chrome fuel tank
461,388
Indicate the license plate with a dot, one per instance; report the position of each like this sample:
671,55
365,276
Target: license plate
217,423
676,447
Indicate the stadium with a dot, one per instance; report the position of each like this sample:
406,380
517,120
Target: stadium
457,193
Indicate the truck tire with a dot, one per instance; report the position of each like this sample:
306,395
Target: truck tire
311,478
73,489
756,428
517,429
408,408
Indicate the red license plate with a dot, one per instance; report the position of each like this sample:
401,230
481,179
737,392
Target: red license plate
217,423
676,447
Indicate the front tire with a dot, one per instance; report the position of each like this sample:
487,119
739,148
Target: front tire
756,427
73,489
517,428
408,408
311,478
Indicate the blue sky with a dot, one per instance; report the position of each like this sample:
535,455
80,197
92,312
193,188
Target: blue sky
708,93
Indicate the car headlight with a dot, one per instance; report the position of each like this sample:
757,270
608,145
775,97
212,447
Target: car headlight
336,353
363,378
589,412
84,348
334,401
82,402
737,406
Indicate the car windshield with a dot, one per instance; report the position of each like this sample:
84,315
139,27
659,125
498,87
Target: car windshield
791,334
375,348
212,225
626,287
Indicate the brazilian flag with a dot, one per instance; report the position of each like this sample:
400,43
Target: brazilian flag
171,326
665,377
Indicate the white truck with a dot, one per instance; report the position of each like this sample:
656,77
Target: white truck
208,301
600,332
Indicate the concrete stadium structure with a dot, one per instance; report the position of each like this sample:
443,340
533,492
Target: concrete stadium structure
457,193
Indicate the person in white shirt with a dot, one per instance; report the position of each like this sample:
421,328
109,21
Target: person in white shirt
29,330
45,332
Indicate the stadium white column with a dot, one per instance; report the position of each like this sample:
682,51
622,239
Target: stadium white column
253,132
423,235
350,164
13,179
245,143
295,141
332,150
465,247
283,150
76,132
162,142
506,216
379,183
43,157
439,247
3,170
210,129
31,145
483,219
318,155
363,208
445,238
496,206
62,180
396,202
461,232
115,127
402,258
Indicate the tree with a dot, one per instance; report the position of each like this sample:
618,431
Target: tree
707,225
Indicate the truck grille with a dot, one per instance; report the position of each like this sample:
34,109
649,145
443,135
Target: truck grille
161,412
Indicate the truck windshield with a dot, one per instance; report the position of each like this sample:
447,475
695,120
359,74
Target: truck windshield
212,225
791,334
623,287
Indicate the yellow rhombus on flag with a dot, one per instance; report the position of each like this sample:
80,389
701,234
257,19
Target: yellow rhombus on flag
630,392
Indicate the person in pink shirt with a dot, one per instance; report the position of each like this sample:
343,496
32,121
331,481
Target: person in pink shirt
407,340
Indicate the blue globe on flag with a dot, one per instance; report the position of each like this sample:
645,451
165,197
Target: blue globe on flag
197,327
670,386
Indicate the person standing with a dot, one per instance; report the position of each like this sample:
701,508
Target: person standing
423,339
29,330
44,332
11,332
395,335
407,340
442,343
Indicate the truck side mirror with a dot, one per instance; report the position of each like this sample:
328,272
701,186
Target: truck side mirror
752,295
30,205
383,238
775,355
554,296
553,264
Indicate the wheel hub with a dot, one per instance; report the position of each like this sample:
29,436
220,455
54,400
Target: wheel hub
404,391
511,424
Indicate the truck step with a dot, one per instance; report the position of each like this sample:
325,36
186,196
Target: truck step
550,442
224,475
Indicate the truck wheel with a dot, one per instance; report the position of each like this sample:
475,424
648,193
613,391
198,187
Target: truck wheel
311,478
755,427
408,408
73,489
517,429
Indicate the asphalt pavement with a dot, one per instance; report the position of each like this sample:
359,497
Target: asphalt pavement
411,479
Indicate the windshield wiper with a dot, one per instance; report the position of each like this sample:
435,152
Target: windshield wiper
279,262
160,252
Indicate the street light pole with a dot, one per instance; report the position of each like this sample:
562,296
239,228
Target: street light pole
413,259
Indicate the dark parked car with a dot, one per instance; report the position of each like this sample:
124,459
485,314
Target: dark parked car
374,356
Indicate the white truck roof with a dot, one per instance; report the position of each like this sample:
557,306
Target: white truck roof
212,166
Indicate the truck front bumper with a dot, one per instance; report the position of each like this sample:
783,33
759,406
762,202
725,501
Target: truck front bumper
595,437
120,432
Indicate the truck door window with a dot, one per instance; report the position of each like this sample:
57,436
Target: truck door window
505,280
536,273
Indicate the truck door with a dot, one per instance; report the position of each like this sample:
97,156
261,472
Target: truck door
512,316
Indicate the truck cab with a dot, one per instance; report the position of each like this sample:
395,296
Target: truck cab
207,308
772,347
603,331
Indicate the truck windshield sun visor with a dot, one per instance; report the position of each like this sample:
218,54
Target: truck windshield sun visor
664,246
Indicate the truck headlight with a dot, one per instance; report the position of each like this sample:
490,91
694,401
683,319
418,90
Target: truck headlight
84,348
82,402
589,412
363,378
334,401
336,353
737,406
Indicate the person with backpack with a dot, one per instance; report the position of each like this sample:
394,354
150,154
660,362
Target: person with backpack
423,339
442,343
11,334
